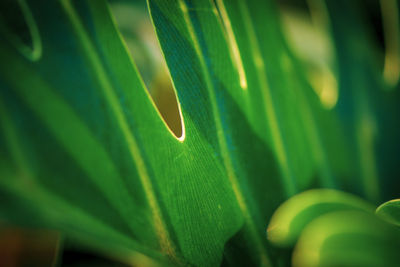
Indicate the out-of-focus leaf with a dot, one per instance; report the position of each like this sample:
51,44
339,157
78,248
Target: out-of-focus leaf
348,238
390,211
365,106
290,219
333,228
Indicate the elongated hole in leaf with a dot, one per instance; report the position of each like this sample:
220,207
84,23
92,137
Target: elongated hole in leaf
19,27
137,30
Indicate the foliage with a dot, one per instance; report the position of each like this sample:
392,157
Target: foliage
333,228
84,150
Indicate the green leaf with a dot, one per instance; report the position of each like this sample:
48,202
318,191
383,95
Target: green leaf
348,238
233,84
333,228
366,104
84,150
390,211
290,219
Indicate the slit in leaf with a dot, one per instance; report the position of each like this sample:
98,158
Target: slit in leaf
136,28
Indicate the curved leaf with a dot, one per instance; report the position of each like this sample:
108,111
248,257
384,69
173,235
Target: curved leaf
290,219
390,211
348,238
